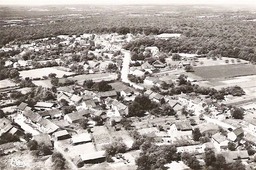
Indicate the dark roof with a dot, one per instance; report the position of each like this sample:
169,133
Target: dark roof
34,117
22,106
108,94
238,131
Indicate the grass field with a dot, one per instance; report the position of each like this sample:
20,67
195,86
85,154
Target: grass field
39,73
43,83
227,71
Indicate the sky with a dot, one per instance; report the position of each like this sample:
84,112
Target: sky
120,2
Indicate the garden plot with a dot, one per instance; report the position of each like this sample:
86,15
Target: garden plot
39,73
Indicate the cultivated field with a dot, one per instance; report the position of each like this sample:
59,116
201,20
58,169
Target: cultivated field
227,71
39,73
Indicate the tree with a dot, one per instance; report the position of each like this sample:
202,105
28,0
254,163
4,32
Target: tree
189,68
45,150
28,136
190,160
32,145
196,134
58,161
88,84
209,157
237,165
2,113
237,113
231,146
52,75
176,57
220,163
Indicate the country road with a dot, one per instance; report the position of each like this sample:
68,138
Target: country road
126,68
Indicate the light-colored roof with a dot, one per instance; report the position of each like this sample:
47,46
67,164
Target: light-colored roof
49,127
34,117
231,156
44,104
219,138
108,94
92,156
61,133
83,137
74,116
76,98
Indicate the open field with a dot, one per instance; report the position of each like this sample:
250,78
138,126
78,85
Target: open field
39,73
6,83
220,71
95,77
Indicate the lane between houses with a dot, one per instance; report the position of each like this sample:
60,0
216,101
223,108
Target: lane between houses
126,68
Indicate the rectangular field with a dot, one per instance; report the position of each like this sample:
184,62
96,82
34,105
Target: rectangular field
227,71
39,73
6,83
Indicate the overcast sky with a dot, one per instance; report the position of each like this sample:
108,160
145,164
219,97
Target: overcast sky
118,2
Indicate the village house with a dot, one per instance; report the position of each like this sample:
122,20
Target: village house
81,138
51,114
220,142
5,126
147,67
94,157
156,97
32,117
22,107
46,126
61,135
232,156
152,81
193,149
44,106
89,104
73,117
104,95
236,134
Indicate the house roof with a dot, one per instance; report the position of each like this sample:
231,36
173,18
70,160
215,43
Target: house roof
61,133
52,113
148,92
87,97
156,96
92,156
76,98
61,123
183,125
119,105
231,156
177,107
44,104
74,116
22,106
83,137
111,93
219,138
238,131
49,126
90,103
34,117
5,125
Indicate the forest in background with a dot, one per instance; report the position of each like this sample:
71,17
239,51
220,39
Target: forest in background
210,30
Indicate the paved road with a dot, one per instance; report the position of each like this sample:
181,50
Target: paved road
126,68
